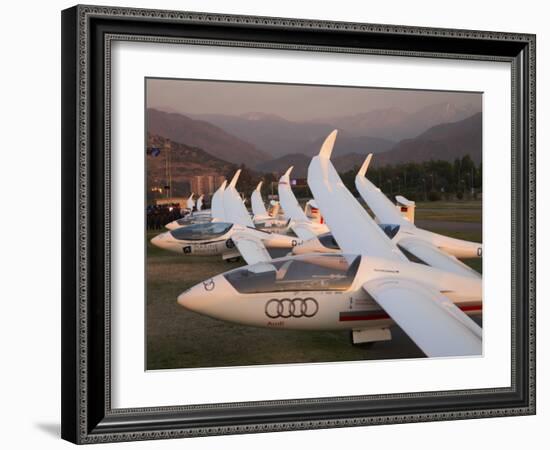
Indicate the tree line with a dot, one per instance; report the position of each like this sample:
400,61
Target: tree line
428,180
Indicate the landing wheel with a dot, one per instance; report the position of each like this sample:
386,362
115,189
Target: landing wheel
365,345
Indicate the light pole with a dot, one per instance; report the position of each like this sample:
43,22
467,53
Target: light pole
168,150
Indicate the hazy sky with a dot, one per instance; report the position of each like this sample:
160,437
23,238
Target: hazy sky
293,102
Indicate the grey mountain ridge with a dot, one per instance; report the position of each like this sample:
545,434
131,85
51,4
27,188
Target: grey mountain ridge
293,143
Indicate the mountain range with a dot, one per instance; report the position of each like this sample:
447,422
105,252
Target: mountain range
269,143
269,132
446,141
278,136
396,124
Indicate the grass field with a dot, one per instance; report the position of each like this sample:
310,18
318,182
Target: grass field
459,211
178,338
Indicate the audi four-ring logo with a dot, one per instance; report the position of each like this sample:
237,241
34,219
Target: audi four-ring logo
291,307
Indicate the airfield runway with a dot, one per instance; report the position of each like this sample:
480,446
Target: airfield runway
178,338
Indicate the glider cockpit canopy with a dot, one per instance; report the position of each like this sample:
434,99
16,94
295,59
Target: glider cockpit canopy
328,241
390,229
308,273
201,231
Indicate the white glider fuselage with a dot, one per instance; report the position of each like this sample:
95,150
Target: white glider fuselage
214,239
456,247
318,292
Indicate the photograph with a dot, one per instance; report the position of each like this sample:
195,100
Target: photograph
301,223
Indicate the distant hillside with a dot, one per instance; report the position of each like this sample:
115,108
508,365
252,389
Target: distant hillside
350,161
372,131
186,161
268,143
396,124
446,142
270,133
346,144
204,135
280,165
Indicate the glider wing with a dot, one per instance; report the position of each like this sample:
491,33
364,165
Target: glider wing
234,209
384,210
429,318
350,224
258,207
432,256
251,248
288,200
217,208
303,231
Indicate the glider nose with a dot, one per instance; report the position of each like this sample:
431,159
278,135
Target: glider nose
172,225
159,240
184,299
208,297
193,298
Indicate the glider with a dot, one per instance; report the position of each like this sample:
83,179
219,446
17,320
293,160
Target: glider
231,233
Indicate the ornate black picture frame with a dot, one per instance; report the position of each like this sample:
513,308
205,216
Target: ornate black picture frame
87,34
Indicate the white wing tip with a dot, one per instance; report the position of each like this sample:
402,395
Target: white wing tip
235,178
328,145
286,176
404,201
365,166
